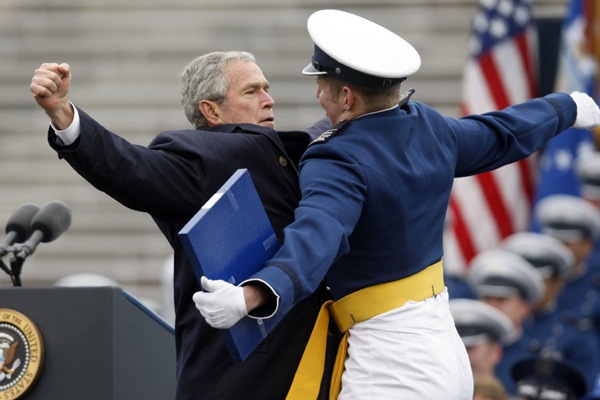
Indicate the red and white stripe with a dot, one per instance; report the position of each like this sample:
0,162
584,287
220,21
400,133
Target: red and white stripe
486,208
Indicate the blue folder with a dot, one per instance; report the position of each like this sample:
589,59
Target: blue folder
230,238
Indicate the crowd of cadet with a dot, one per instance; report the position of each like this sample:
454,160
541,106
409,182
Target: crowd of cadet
528,311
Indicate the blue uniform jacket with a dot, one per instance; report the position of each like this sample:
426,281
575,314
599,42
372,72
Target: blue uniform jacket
549,335
374,196
579,300
511,354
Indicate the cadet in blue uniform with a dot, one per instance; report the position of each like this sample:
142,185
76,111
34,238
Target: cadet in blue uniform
375,192
547,330
509,283
484,330
576,223
588,170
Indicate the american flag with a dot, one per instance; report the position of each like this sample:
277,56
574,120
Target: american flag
500,71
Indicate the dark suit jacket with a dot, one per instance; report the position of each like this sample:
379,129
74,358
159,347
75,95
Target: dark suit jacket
171,179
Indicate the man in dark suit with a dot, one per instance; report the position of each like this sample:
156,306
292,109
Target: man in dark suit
226,98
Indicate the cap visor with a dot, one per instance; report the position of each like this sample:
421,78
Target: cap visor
495,291
472,340
310,70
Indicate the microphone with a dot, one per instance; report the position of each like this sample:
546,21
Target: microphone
18,226
47,224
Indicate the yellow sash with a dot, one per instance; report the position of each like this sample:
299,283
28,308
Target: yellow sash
354,308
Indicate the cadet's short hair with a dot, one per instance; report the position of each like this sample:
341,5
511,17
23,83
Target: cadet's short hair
375,98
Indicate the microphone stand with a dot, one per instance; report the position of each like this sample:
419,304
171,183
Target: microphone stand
16,264
4,267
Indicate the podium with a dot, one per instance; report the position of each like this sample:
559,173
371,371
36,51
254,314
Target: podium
98,343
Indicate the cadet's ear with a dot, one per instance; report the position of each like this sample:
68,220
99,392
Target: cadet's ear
210,110
348,97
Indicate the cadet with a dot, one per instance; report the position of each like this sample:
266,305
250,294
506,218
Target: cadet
548,333
552,259
588,170
576,223
375,192
484,330
509,283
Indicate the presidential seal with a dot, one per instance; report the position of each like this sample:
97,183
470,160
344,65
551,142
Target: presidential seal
21,354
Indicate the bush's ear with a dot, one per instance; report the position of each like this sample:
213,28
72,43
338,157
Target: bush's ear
211,112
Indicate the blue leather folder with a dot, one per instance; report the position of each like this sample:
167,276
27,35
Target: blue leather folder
230,238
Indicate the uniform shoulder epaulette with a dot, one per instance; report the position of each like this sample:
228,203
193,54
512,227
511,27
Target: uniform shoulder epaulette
328,134
405,97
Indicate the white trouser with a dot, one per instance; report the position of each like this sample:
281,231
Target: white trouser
410,353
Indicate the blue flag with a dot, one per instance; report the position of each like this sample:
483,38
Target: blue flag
577,71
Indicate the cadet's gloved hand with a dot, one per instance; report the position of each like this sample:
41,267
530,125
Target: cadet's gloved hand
588,113
222,305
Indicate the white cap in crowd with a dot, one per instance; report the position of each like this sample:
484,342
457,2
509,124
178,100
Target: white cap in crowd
500,273
568,218
588,171
548,255
476,321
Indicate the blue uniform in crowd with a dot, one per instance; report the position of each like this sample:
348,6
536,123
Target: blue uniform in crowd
380,186
511,354
575,222
579,302
508,281
458,287
549,335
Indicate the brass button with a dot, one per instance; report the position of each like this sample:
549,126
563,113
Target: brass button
282,161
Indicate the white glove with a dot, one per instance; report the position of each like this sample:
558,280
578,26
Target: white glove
588,113
222,305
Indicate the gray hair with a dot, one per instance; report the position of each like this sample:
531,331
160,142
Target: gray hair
204,79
